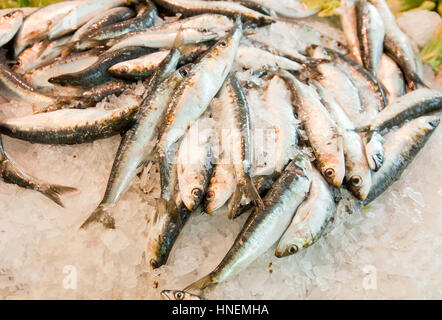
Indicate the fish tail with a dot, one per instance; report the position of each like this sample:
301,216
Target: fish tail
102,216
201,284
55,191
248,190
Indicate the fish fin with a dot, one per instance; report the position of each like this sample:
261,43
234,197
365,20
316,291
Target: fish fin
179,39
247,189
364,129
102,216
55,191
201,284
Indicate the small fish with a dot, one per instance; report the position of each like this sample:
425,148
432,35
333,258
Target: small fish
349,26
10,23
258,59
371,34
194,164
412,105
390,75
207,22
310,220
357,171
398,46
89,98
39,54
196,91
81,14
69,126
263,227
12,174
98,73
401,146
371,92
154,39
106,18
138,142
170,216
13,86
235,117
337,82
37,25
179,295
221,187
146,17
73,63
144,66
279,103
230,9
321,130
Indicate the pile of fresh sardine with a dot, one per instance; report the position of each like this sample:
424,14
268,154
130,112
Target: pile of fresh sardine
342,116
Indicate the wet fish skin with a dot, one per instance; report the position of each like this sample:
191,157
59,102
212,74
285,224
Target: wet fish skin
78,16
371,34
398,46
295,10
337,82
37,25
310,219
89,98
10,23
154,39
259,59
412,105
13,86
145,19
231,9
12,174
221,187
139,140
357,171
390,75
144,66
98,72
40,54
79,40
205,76
235,117
264,226
321,130
69,126
194,163
349,26
401,146
62,65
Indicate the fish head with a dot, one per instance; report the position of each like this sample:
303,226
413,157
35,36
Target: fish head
359,183
63,80
193,192
337,46
292,243
179,295
221,187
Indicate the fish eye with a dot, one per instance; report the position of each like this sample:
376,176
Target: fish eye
210,195
203,30
183,72
179,295
356,181
293,249
223,43
196,193
329,172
